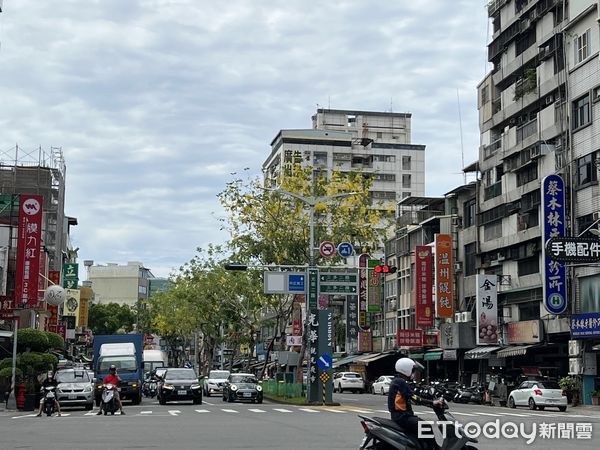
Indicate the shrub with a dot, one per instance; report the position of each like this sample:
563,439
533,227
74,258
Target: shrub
33,339
568,383
50,361
6,373
55,341
6,362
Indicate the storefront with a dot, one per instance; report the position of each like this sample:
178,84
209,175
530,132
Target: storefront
455,340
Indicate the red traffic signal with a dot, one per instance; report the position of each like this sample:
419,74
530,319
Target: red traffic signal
382,268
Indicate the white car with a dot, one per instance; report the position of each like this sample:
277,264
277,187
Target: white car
538,395
348,381
382,385
215,382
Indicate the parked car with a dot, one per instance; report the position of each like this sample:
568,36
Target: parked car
242,386
75,388
179,384
382,385
349,381
538,394
213,384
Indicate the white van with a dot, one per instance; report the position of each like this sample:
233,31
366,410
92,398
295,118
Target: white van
153,359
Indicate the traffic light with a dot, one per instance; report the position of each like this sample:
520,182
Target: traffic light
385,269
235,266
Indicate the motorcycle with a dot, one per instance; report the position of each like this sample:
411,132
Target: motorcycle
109,401
49,400
382,434
150,388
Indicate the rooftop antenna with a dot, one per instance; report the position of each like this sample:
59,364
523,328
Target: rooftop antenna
462,148
391,104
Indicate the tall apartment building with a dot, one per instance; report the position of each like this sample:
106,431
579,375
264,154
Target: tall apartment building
124,285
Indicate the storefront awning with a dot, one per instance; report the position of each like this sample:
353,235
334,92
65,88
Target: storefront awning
433,356
347,360
366,359
480,352
515,350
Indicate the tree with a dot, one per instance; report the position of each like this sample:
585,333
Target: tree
110,318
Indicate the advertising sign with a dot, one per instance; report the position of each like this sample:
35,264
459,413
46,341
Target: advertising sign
525,332
364,341
554,275
444,275
293,341
585,325
374,287
423,286
430,340
82,313
54,276
409,338
313,288
28,250
70,275
573,249
362,288
487,309
352,321
71,306
53,319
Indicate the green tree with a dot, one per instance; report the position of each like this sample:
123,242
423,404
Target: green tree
110,318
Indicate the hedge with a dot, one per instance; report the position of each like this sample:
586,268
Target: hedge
55,341
7,372
33,339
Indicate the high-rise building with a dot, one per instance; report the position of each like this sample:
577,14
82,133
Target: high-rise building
122,284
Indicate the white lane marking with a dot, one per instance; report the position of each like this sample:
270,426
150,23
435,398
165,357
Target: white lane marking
207,403
383,410
513,414
145,412
202,410
308,410
256,410
362,411
282,410
230,411
91,413
336,411
63,415
26,415
486,414
463,414
174,412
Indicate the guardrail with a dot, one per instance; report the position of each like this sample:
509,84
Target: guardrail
283,389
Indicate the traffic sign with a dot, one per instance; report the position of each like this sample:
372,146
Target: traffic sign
327,249
338,277
324,377
325,361
345,249
338,288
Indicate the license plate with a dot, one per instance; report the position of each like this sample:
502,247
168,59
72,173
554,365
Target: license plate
181,392
72,396
247,394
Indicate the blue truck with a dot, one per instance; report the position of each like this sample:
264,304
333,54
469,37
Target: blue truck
125,352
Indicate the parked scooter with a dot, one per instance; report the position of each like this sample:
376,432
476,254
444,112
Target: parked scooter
109,401
49,405
384,434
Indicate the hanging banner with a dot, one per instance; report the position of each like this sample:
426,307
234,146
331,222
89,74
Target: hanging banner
352,320
82,313
409,338
29,242
71,306
444,275
555,279
487,309
362,289
54,277
423,286
53,319
374,287
365,341
70,275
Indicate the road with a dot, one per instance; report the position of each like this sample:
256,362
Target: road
218,425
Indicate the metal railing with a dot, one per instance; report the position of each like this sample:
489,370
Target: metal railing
283,389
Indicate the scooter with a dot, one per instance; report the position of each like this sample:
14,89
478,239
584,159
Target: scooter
109,402
150,387
382,434
49,400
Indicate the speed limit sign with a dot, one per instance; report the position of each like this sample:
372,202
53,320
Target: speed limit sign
327,249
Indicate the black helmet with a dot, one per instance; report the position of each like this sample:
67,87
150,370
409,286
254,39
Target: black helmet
113,368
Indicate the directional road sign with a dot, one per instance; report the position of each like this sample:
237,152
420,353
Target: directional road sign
325,361
345,249
327,249
338,288
338,278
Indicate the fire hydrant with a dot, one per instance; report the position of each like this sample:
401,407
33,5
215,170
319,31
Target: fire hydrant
20,388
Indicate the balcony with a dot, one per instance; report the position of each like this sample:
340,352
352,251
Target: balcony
493,191
495,5
489,150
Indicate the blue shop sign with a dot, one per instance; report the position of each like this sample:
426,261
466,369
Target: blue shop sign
585,325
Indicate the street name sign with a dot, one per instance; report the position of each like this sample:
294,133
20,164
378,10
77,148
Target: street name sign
338,289
284,282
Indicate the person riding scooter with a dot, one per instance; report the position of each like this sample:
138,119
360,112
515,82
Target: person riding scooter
400,397
113,378
49,382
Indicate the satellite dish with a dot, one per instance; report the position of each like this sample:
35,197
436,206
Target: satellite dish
55,295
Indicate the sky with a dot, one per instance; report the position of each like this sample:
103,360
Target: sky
157,104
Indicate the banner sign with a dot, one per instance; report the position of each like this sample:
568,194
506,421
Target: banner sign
574,249
7,307
487,309
555,279
365,341
525,332
362,288
53,319
585,325
444,275
293,341
70,275
28,250
375,285
82,313
71,307
423,286
409,338
54,276
352,319
430,340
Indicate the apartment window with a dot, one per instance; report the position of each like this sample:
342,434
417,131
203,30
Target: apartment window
581,46
528,266
379,134
406,160
406,194
581,112
527,175
529,311
469,267
492,231
469,213
525,42
320,158
406,180
586,169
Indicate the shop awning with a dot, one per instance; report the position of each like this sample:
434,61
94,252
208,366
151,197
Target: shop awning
433,356
514,350
347,360
481,352
366,359
415,355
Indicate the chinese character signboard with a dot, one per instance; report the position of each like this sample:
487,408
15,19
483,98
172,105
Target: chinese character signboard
555,281
362,288
71,307
525,332
585,325
423,288
70,275
409,338
374,286
313,288
352,321
430,340
573,249
365,341
487,309
444,275
82,313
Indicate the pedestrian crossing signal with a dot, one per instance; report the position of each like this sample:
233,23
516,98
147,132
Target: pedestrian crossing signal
385,269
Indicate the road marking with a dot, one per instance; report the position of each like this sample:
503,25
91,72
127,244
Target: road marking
282,410
202,410
308,410
26,415
207,403
513,414
336,411
91,413
463,414
145,412
382,410
230,411
361,411
486,414
256,410
174,412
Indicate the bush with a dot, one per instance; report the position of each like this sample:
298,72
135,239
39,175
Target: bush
6,362
6,373
33,339
55,341
569,383
50,361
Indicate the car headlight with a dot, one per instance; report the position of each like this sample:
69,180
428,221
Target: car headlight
234,387
259,388
196,386
168,386
87,389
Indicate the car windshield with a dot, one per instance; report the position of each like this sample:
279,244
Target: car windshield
549,385
218,374
243,379
180,374
72,376
351,375
122,363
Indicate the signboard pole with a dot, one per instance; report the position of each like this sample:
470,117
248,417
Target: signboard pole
11,403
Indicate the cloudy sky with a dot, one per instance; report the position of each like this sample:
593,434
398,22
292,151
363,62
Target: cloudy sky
156,102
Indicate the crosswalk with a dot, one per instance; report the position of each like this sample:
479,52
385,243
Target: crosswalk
271,409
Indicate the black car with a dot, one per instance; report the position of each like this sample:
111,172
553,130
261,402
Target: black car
242,386
179,384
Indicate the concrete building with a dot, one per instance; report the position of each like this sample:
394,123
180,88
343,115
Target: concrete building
124,285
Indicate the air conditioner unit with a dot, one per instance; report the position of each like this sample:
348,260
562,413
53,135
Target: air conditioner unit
574,348
596,215
500,256
458,266
465,316
458,317
457,221
507,312
549,99
575,366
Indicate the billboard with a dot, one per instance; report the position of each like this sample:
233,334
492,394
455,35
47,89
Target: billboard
29,242
487,309
423,286
444,275
375,287
409,338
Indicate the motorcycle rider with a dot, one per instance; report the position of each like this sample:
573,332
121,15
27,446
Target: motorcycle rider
400,397
113,378
49,382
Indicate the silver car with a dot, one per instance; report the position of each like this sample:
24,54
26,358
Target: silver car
215,381
75,388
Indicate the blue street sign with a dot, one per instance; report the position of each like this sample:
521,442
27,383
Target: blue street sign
345,249
325,362
296,282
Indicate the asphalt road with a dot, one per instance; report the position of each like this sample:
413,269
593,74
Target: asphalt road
218,425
